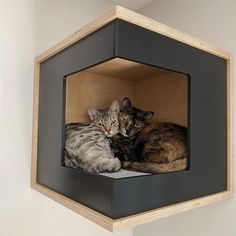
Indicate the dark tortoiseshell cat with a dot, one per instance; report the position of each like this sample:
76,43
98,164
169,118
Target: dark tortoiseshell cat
154,148
131,122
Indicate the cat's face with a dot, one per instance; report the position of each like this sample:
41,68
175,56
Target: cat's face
131,119
106,120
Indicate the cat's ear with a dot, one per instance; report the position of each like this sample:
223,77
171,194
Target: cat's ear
147,115
93,113
115,107
126,105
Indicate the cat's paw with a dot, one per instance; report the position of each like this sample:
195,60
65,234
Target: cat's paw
117,164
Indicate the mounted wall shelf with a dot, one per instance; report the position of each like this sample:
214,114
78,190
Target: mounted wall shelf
123,53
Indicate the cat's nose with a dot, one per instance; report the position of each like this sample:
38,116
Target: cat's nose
108,129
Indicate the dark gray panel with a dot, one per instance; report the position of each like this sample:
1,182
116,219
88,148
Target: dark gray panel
207,126
93,191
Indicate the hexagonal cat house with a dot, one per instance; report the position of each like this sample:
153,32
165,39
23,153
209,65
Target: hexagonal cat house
181,79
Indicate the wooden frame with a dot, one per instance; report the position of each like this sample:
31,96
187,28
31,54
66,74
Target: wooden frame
135,18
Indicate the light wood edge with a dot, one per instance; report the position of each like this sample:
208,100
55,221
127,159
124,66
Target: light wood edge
81,33
35,122
149,216
88,213
155,26
230,123
133,220
137,19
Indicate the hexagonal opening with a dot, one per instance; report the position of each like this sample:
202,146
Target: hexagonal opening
150,88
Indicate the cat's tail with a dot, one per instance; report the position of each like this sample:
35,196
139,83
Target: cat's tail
178,165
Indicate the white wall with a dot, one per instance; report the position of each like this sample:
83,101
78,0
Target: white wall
28,27
214,22
16,72
56,20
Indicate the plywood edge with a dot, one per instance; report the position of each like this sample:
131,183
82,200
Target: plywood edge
137,19
133,220
88,213
149,216
155,26
105,18
35,122
230,123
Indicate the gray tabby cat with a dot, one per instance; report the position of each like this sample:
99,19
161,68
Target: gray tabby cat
87,145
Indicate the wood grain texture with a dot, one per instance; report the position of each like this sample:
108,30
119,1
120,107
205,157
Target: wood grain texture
135,18
150,89
155,26
131,221
166,95
93,90
230,124
125,69
105,18
167,211
35,122
90,214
